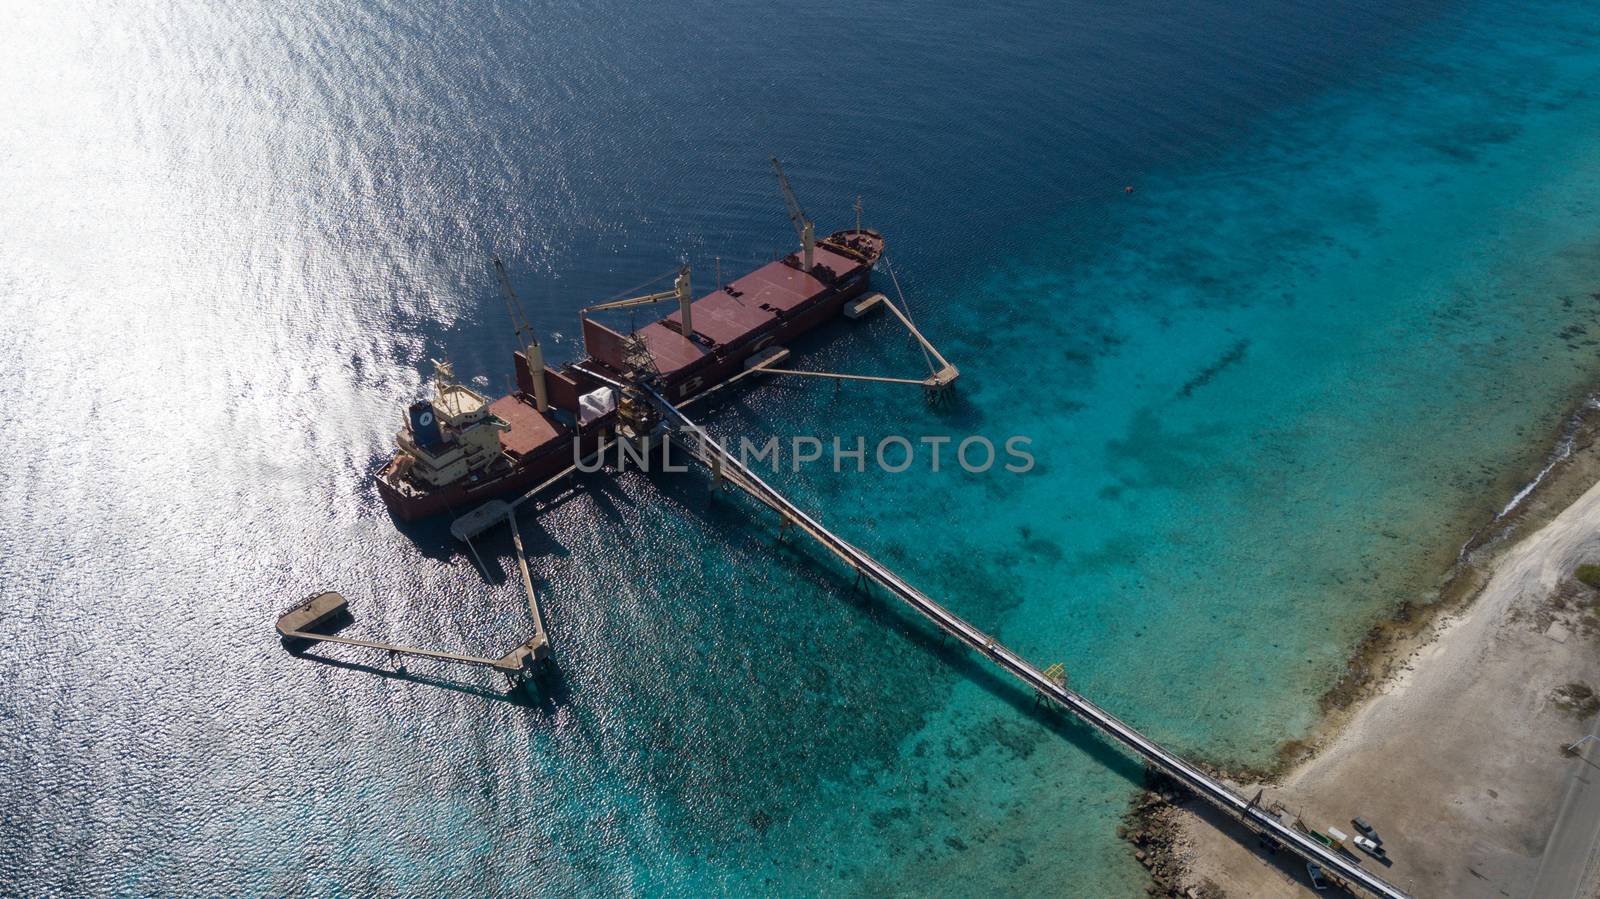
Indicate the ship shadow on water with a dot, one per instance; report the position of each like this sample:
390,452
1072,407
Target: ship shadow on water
433,540
430,536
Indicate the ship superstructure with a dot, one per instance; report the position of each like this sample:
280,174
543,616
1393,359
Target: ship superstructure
450,437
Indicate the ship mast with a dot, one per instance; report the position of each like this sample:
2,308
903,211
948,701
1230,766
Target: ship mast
444,374
526,338
802,225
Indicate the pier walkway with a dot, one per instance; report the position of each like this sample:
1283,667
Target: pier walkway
1345,870
304,625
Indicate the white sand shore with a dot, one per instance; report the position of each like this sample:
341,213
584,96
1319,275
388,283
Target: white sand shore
1457,760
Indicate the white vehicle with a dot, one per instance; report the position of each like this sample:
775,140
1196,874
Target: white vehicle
1367,845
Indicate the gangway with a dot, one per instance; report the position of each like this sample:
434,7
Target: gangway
1346,870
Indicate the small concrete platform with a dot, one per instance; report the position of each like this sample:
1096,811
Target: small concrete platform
322,613
481,519
526,656
769,356
861,308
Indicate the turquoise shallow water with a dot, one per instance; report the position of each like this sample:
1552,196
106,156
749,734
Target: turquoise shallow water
1270,392
1273,413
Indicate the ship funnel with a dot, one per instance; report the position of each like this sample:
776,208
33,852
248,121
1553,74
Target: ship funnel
685,301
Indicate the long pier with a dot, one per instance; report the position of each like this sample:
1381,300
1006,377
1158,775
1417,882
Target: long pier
1347,871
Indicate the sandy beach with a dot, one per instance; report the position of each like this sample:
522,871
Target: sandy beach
1455,754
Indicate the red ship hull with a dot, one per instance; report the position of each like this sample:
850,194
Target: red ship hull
766,308
409,503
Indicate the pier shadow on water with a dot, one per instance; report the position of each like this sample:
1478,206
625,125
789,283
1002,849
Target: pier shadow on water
898,621
736,513
545,691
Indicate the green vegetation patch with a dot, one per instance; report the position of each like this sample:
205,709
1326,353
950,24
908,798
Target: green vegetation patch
1589,574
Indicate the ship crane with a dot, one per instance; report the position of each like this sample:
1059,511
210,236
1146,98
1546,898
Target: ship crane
636,417
527,339
802,225
679,291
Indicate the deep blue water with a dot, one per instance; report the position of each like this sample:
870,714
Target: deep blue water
1271,390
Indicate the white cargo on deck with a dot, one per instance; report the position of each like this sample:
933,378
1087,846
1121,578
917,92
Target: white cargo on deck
596,403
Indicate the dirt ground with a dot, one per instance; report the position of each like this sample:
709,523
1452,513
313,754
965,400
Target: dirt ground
1457,760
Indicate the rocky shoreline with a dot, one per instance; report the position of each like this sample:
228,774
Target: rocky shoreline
1153,826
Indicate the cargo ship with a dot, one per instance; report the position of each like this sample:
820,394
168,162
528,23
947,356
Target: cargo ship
459,448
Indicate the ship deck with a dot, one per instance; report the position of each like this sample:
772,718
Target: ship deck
745,306
529,432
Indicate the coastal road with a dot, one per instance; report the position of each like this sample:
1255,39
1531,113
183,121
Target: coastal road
1568,867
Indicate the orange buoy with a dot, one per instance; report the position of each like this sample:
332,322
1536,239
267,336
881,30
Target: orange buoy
1128,189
